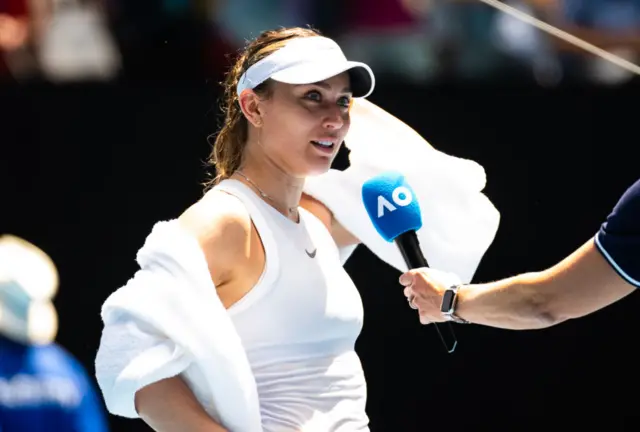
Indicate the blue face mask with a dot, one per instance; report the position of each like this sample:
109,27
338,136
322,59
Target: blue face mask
15,299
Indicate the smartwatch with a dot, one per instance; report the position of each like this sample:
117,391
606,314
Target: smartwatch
448,307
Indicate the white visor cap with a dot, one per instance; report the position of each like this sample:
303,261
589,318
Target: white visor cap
307,60
28,283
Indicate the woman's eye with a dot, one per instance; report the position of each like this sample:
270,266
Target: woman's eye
344,102
314,96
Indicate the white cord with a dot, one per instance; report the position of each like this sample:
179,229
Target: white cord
567,37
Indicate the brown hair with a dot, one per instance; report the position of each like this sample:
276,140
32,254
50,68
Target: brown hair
228,147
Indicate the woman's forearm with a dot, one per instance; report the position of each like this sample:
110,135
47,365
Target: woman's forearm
170,406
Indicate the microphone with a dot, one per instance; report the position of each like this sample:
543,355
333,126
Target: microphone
395,213
394,210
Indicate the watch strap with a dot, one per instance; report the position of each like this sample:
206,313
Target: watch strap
449,303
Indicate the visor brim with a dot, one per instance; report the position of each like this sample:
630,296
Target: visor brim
360,74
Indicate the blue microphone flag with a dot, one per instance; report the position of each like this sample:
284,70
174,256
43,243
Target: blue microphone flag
391,205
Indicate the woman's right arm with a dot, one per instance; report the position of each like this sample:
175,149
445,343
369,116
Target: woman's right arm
222,226
169,405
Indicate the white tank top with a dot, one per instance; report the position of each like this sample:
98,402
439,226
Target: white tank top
299,325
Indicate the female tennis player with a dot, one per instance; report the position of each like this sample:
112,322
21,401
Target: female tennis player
272,253
242,316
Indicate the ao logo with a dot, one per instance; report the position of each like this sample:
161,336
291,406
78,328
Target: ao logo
401,196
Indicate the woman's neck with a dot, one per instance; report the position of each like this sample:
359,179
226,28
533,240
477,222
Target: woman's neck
278,188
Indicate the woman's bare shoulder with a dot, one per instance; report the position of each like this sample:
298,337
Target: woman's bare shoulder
222,225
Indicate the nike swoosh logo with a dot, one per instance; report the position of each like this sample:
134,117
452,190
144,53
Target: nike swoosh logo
311,254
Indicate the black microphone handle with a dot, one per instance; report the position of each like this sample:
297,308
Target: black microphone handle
414,258
410,249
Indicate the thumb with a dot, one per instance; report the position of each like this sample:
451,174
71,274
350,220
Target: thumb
406,279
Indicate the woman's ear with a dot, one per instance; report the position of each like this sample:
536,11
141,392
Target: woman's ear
250,106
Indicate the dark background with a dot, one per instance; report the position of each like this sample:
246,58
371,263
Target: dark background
87,169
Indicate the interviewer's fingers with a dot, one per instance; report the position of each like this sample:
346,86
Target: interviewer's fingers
408,293
406,279
425,285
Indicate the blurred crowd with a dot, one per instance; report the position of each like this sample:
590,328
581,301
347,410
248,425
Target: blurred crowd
418,40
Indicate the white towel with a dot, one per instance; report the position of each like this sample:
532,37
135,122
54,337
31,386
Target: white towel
459,221
167,320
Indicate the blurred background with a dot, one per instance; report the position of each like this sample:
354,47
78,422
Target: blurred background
106,113
419,41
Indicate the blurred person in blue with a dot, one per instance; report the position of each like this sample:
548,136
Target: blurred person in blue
604,270
42,386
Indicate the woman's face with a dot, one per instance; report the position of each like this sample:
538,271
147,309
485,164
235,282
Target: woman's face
303,126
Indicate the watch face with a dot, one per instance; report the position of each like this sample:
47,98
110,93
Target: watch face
447,300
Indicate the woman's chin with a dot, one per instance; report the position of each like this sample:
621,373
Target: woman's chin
318,168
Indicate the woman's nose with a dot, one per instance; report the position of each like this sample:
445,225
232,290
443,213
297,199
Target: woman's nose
334,118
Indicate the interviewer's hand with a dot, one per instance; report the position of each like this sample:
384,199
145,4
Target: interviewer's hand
426,287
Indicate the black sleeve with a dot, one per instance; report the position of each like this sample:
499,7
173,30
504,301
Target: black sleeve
619,237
